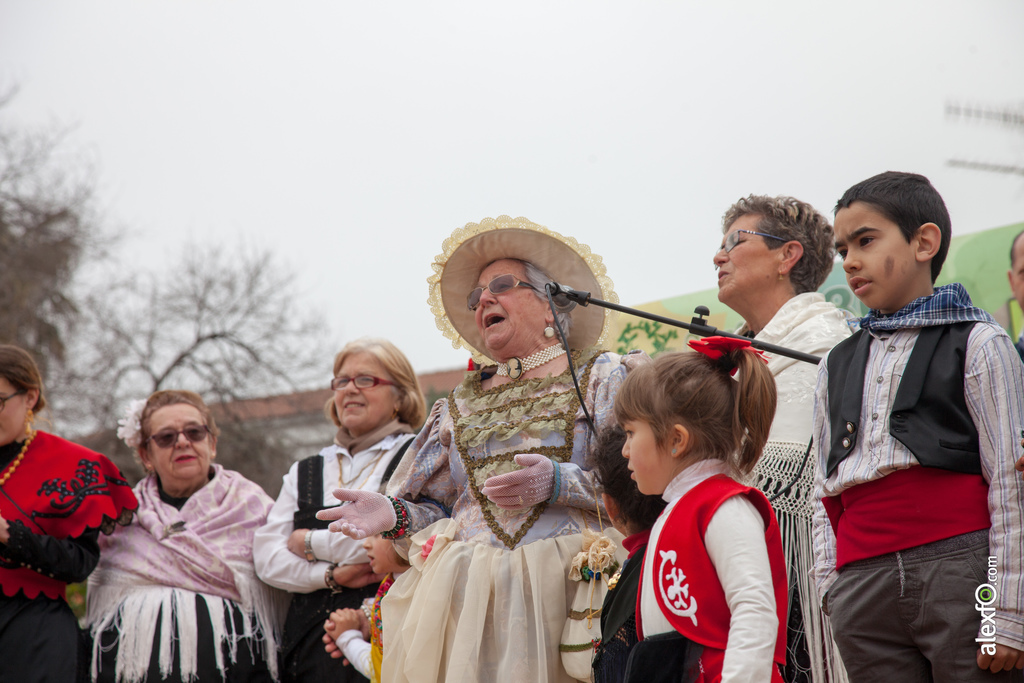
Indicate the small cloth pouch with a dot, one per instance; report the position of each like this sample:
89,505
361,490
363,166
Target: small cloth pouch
591,568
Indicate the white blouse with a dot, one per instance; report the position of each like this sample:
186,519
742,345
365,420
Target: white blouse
283,569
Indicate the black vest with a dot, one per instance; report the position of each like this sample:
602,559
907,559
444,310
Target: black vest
310,492
929,414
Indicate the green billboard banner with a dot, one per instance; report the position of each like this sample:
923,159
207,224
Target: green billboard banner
979,261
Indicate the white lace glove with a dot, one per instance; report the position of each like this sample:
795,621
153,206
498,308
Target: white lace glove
523,488
367,513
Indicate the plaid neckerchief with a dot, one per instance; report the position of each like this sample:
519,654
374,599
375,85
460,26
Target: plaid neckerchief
948,304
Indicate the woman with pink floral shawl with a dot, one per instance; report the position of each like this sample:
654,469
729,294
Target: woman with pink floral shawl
175,596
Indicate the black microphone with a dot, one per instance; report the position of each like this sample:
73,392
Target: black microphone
570,295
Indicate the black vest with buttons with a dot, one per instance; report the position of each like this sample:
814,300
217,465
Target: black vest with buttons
929,415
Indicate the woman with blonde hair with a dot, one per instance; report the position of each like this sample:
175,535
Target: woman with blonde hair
376,406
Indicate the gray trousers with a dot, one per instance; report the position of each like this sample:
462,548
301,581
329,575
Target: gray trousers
910,616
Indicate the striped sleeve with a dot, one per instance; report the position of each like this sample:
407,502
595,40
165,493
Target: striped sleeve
994,388
824,571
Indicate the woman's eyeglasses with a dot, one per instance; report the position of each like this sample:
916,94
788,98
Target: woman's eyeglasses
8,397
361,382
498,285
733,238
166,439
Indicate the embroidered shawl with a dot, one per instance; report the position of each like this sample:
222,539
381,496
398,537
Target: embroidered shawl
60,489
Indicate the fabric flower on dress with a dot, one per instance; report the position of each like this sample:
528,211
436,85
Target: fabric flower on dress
597,557
427,547
601,554
129,427
576,570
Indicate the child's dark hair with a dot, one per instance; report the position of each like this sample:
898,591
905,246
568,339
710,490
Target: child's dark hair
907,199
727,419
636,510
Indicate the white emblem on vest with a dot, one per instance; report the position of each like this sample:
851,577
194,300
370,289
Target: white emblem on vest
674,589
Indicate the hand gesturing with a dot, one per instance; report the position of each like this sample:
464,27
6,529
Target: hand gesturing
366,513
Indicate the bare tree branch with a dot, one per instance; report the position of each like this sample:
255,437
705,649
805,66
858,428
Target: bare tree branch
46,227
224,326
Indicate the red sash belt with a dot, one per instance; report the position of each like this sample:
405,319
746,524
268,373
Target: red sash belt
904,509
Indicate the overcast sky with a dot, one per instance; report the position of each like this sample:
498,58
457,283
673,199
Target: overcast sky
352,138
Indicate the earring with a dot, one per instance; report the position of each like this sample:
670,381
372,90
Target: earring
781,276
549,332
29,418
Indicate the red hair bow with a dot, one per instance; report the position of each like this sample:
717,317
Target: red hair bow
716,348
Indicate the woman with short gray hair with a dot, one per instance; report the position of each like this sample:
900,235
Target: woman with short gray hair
776,251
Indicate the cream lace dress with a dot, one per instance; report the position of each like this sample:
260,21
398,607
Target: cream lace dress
488,601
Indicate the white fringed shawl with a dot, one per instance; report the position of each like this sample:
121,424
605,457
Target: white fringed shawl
810,324
151,572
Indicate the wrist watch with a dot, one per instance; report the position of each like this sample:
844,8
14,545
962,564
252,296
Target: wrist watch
310,557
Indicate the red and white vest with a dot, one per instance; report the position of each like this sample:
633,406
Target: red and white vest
686,585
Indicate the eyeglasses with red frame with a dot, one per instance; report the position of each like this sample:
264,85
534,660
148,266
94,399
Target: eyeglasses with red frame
361,382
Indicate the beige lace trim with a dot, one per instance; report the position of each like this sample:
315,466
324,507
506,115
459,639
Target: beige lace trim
478,403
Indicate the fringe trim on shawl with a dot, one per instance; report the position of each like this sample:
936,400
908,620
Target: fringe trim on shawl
783,464
135,610
826,663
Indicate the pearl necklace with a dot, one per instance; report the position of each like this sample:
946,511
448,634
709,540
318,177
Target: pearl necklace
17,461
515,367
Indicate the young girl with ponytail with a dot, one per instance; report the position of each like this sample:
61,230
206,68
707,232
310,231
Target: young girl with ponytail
712,598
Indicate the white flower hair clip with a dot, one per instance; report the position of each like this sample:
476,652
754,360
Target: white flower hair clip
130,426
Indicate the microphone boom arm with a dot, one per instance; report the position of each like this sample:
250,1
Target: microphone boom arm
697,325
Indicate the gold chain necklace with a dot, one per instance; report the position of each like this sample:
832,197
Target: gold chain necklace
17,461
348,484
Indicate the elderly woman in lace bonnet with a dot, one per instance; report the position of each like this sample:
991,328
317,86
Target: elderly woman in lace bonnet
175,596
775,253
496,491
